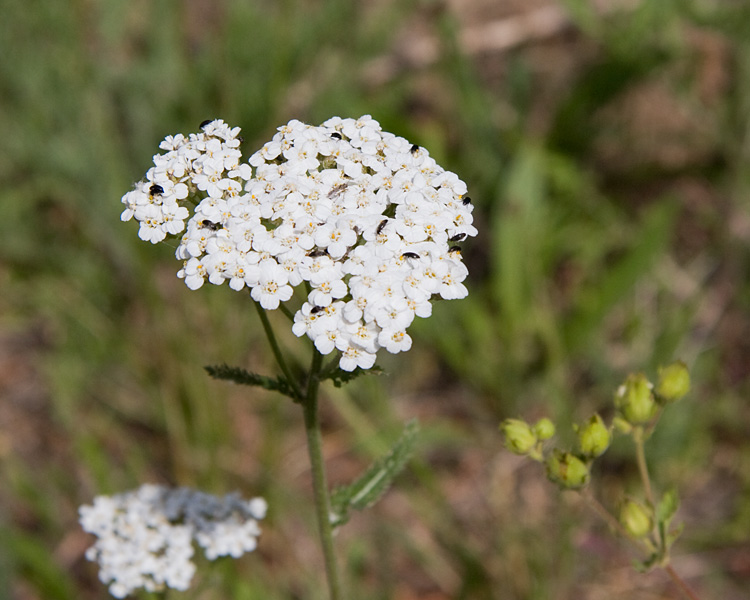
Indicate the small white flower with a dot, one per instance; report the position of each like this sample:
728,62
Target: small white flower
327,340
272,285
364,335
194,273
394,340
328,284
336,239
394,315
353,357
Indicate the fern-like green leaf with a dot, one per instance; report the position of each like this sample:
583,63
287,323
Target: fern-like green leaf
243,377
369,487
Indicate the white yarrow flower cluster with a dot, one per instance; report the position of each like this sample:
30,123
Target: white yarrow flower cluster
368,221
145,537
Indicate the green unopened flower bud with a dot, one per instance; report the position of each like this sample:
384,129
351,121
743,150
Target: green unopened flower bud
674,382
544,429
519,438
636,518
635,399
594,437
567,470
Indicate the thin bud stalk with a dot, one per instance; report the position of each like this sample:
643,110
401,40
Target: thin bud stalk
640,456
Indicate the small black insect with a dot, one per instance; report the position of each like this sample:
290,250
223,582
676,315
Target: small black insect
316,309
204,123
381,226
414,149
454,249
155,189
206,224
337,190
318,252
457,238
240,139
336,135
466,200
410,255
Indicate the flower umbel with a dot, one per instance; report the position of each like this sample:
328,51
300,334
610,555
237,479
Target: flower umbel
368,221
145,537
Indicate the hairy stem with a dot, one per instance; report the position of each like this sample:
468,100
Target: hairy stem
320,486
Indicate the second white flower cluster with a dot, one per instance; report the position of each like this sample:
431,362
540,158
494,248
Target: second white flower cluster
145,537
369,221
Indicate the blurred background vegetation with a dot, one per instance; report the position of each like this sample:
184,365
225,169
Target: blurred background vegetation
606,146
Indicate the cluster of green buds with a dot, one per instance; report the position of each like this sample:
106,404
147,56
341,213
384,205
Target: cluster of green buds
572,469
569,469
638,405
525,439
639,402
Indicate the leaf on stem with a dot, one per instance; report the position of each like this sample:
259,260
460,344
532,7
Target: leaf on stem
369,487
242,377
339,377
667,507
644,566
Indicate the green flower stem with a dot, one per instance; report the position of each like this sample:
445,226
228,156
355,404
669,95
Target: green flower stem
640,456
277,351
320,487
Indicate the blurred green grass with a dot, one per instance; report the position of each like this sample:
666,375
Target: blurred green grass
614,225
